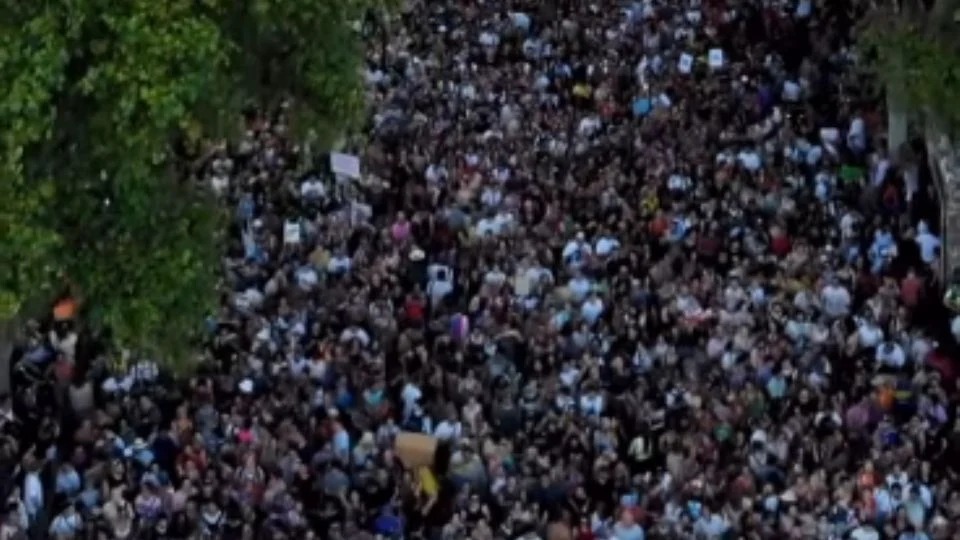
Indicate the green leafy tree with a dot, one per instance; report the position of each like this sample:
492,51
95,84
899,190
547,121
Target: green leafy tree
97,93
917,56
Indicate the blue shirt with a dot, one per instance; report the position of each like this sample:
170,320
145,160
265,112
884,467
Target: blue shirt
32,494
632,532
713,526
68,482
641,107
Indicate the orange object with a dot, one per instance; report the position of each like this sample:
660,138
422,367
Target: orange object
65,309
885,398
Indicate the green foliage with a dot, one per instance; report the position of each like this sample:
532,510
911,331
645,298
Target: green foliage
917,55
96,92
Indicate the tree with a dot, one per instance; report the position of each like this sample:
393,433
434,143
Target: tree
97,95
917,56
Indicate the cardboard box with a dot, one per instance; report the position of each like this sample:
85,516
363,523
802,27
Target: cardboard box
415,449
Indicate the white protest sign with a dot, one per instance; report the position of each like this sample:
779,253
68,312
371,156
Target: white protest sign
291,232
685,65
360,213
345,164
715,58
829,134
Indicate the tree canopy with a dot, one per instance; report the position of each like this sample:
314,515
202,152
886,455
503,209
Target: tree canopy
917,54
96,94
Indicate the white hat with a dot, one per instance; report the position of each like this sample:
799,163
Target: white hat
246,386
417,254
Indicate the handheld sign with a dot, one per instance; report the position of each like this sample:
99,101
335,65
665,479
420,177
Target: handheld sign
345,164
685,65
291,232
715,58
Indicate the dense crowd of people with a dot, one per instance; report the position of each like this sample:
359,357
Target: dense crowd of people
647,270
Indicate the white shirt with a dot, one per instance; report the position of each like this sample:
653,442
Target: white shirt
564,402
791,91
503,221
579,288
495,277
886,503
491,197
592,309
338,264
447,430
489,39
312,188
895,357
355,333
435,174
869,334
569,376
434,271
145,370
575,252
606,245
749,159
437,290
928,244
713,526
919,349
591,404
306,277
836,300
410,394
865,532
897,478
487,227
677,182
32,493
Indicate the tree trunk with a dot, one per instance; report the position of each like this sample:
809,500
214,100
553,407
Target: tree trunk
9,335
897,120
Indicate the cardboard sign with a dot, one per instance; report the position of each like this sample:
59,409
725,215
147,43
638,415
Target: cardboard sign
415,450
829,134
685,65
291,232
345,164
715,58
